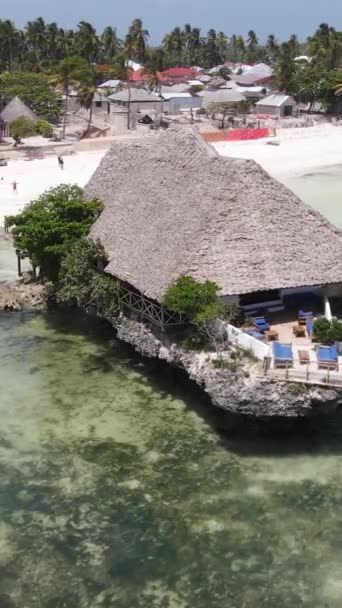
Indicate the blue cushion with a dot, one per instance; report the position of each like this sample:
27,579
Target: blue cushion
282,351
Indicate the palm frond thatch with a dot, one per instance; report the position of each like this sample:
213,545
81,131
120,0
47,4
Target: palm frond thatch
173,206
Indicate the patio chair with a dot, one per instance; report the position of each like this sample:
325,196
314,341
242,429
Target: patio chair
261,324
327,357
283,355
303,316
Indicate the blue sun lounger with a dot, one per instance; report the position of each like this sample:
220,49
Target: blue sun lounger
283,354
261,324
327,357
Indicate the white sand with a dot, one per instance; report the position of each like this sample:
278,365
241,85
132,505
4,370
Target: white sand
35,176
308,161
300,150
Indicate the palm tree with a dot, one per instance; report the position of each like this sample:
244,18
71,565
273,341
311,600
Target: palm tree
173,44
36,37
10,44
86,88
222,45
136,41
272,46
110,42
212,54
252,44
86,41
68,71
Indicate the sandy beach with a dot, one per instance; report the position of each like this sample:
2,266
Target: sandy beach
35,176
307,160
300,150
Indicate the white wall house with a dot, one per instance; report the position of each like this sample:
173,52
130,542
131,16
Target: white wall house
180,102
276,105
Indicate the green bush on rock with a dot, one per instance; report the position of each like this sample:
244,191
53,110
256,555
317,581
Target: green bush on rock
83,283
47,227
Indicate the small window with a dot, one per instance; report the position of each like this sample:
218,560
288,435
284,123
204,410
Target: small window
98,104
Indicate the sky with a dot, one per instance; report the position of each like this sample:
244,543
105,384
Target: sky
281,18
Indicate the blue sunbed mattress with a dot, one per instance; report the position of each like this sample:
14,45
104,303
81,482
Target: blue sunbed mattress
282,351
327,353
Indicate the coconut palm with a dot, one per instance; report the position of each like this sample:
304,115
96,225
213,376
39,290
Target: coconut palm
272,46
135,45
252,44
36,37
11,44
87,44
68,70
111,44
86,89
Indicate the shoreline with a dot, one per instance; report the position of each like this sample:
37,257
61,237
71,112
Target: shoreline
243,391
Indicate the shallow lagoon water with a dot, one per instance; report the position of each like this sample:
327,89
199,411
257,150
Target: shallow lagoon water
321,189
121,487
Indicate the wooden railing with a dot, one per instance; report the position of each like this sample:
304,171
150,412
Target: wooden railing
303,373
148,309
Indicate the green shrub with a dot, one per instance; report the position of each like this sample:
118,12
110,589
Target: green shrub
49,225
326,332
44,128
83,283
23,127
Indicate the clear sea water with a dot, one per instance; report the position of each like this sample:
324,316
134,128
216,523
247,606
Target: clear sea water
121,487
321,189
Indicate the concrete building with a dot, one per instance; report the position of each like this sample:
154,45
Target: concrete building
139,100
276,105
181,102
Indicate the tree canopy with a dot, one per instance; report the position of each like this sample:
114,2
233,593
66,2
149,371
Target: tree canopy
198,301
34,90
46,227
82,282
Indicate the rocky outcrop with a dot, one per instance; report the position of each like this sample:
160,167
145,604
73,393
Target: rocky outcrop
24,293
240,391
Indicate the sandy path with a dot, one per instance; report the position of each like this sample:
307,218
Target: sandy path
33,177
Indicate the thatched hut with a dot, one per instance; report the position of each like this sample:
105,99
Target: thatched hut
173,206
15,109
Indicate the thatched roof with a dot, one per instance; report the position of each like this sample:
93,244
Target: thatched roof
15,109
173,206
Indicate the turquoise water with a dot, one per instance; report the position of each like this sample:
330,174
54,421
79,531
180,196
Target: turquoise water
121,488
322,190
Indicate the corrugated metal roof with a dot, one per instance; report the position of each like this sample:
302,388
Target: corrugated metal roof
134,95
110,84
168,96
275,100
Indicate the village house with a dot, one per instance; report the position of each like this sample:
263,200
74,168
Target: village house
139,100
276,105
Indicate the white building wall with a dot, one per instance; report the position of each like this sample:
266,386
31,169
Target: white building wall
242,340
175,105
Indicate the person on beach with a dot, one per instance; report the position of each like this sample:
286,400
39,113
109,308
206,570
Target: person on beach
61,162
15,186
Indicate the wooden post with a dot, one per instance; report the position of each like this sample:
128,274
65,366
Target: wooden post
18,252
307,372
